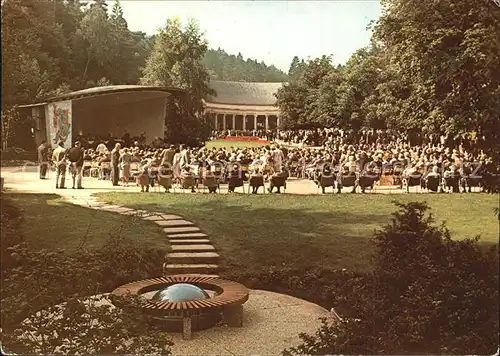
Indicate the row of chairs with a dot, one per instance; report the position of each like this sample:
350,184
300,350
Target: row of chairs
212,183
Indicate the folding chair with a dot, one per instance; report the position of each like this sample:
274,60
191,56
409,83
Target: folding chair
325,182
347,181
210,182
164,181
236,182
414,180
188,182
278,182
256,181
87,166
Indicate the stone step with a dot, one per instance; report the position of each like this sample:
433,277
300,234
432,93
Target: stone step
189,241
159,216
192,248
191,268
152,217
177,230
188,235
192,257
174,223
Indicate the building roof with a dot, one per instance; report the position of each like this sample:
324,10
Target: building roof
243,93
112,89
229,93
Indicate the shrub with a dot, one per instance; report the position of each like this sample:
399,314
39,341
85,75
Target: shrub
428,294
36,282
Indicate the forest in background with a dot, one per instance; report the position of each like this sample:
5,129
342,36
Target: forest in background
430,68
55,47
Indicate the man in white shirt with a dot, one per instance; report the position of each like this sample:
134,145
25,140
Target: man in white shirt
59,158
185,157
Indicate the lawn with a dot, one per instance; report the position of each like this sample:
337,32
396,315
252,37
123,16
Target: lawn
49,222
235,144
253,232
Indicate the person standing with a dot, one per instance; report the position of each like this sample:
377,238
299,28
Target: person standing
185,157
176,164
115,164
43,159
59,158
277,156
125,160
75,156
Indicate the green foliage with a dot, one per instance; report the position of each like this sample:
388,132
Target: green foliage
430,68
88,326
429,294
447,57
224,66
36,282
176,61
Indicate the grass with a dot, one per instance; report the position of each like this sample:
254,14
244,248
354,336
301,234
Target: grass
49,222
256,232
235,144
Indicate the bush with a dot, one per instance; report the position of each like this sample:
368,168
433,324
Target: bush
337,289
18,154
428,294
36,282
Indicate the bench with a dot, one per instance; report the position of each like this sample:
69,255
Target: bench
229,299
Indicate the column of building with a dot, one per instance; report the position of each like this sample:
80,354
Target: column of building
244,118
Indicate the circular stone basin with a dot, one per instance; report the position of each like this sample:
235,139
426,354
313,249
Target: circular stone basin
180,292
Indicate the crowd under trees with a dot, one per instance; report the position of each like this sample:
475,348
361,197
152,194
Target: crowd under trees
431,67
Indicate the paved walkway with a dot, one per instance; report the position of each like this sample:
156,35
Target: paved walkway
190,249
27,179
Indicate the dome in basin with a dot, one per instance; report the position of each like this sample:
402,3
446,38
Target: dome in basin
181,292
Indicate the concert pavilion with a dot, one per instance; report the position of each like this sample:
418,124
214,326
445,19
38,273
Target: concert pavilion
141,109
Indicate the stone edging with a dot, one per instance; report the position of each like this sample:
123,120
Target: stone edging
190,252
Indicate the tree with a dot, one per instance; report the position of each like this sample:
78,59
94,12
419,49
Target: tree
176,61
297,100
428,294
10,119
296,68
224,66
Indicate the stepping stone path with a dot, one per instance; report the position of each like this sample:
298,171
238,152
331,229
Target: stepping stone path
191,250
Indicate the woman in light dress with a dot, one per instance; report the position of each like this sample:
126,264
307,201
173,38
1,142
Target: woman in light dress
125,160
176,165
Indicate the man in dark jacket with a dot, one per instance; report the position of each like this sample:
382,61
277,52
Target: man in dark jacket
75,157
43,159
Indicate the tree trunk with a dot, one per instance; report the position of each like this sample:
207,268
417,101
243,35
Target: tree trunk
86,69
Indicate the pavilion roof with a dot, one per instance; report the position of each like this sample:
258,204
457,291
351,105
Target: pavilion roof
244,93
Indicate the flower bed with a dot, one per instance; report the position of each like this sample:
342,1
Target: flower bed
246,139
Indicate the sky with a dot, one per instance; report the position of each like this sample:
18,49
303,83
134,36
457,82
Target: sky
269,31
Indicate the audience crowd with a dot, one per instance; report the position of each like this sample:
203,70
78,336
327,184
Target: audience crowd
330,157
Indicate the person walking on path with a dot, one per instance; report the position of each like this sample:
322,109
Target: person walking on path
59,158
